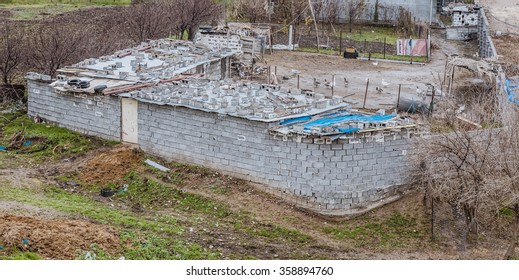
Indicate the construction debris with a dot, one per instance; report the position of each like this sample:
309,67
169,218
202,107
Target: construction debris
156,165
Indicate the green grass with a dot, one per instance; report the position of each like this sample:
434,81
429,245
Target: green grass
37,9
280,233
372,34
396,232
396,57
47,141
150,193
155,237
17,255
151,246
56,198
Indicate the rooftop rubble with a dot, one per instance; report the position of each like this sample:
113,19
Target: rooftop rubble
252,101
300,113
153,61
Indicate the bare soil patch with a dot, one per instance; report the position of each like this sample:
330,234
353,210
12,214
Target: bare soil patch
111,165
55,239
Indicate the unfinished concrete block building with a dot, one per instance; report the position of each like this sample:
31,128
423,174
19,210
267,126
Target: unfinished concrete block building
173,100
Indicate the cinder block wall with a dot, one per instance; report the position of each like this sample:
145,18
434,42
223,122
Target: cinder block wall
486,45
331,179
327,178
92,115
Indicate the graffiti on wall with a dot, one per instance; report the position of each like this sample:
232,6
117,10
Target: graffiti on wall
414,47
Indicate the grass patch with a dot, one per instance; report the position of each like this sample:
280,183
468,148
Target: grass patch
38,9
56,198
151,246
373,34
397,231
156,237
17,255
277,232
46,141
396,57
507,212
149,193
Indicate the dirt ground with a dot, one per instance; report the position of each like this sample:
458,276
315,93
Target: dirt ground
385,75
57,235
109,166
55,239
503,16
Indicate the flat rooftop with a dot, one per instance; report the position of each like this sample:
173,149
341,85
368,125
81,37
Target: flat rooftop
151,61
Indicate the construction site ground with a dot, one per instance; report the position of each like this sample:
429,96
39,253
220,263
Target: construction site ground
503,17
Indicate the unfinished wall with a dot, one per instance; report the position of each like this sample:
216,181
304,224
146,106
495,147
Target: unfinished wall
334,179
93,115
486,46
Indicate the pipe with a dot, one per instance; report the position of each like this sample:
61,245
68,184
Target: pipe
127,53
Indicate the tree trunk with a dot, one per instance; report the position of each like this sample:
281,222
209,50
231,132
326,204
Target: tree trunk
315,23
510,252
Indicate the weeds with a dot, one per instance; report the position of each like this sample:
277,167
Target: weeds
44,141
16,255
152,246
149,193
397,231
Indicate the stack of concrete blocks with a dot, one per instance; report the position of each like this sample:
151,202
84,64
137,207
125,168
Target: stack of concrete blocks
219,41
88,114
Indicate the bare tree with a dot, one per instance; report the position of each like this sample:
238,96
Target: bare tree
355,8
53,46
146,20
473,170
11,50
193,13
251,10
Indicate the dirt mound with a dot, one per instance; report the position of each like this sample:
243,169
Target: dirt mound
110,166
56,239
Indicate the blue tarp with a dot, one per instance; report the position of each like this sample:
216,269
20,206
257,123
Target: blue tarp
295,120
346,118
510,86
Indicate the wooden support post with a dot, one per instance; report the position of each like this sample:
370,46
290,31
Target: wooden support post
268,75
297,81
398,98
445,71
364,45
384,47
431,107
276,71
365,95
252,69
340,43
451,82
333,83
